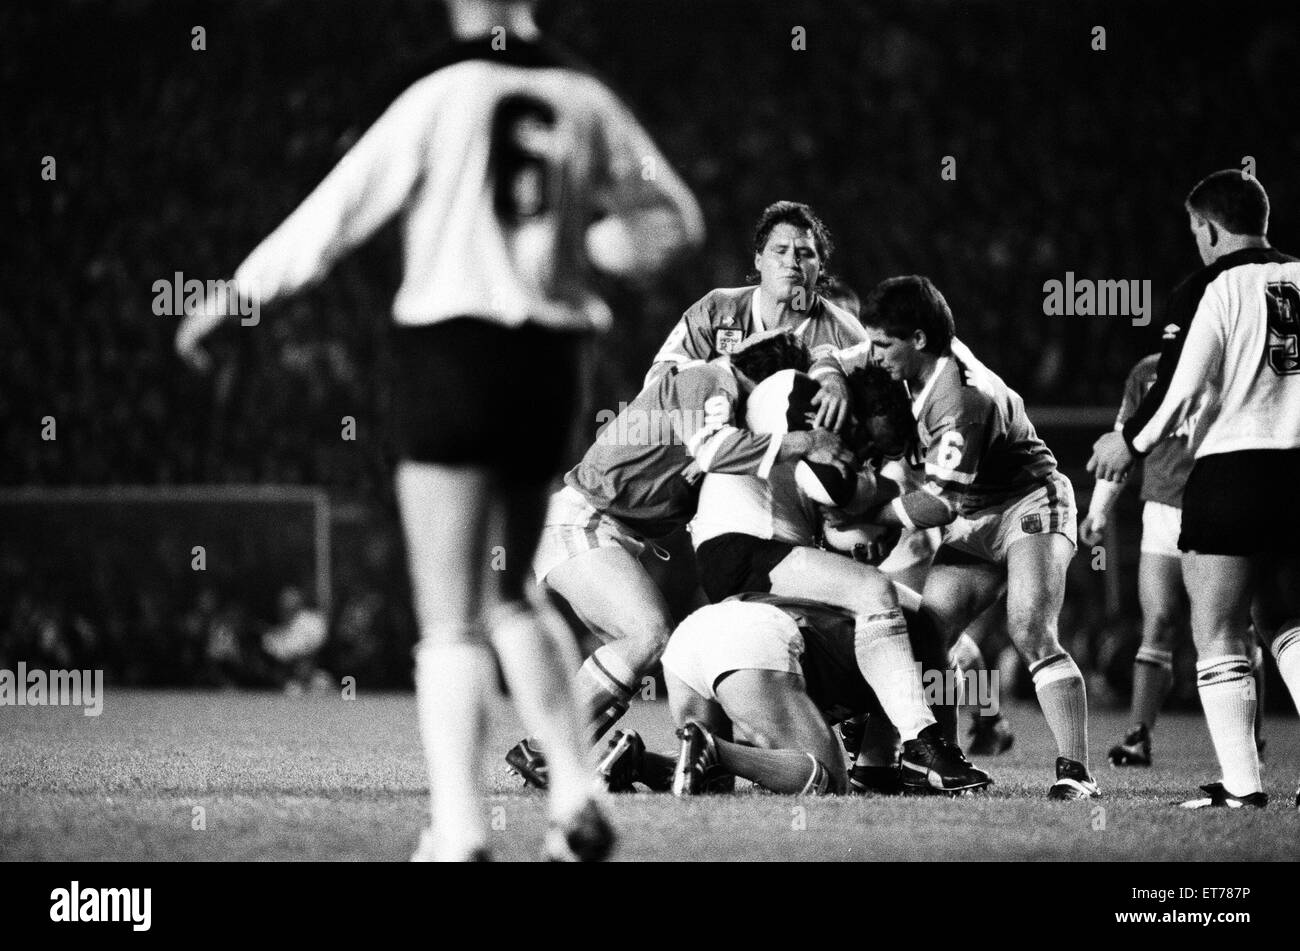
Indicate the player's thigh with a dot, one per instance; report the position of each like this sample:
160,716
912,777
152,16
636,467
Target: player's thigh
1220,588
685,704
956,594
613,594
444,513
832,579
1162,597
772,709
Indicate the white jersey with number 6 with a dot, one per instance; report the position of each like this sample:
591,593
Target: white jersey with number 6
498,164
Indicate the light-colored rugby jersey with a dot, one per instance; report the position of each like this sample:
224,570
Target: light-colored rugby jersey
774,507
498,164
645,466
979,446
716,324
1231,359
1165,469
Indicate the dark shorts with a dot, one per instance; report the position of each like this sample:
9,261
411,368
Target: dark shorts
1239,503
735,563
472,392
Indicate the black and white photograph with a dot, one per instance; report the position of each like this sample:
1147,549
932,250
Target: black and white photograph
652,431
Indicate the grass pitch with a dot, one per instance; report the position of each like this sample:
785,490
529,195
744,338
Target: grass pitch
254,776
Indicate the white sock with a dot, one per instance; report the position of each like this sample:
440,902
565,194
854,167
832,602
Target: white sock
885,658
452,678
534,662
1227,690
1286,651
1063,697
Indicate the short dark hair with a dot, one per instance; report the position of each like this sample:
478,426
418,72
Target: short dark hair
900,306
770,353
801,216
874,393
1235,202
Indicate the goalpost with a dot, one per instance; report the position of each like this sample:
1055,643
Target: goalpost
89,545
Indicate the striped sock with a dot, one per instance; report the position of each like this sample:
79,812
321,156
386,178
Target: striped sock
1286,651
1227,691
1153,672
604,690
884,653
1064,700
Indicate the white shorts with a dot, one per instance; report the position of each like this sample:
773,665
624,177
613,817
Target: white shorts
729,636
573,526
991,532
916,546
1161,526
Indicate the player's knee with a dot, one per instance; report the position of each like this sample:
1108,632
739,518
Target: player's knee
1034,636
1161,630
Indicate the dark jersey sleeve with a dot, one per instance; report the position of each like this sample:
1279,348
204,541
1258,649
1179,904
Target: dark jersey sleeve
1179,311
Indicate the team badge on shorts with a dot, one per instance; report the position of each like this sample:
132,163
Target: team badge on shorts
1031,524
726,341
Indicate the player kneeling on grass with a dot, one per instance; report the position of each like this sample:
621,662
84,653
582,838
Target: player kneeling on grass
759,535
637,483
773,672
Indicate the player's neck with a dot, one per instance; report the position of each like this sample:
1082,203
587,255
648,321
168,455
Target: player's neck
776,313
478,20
1232,243
929,366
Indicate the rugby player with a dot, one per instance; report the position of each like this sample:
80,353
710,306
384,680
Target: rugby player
639,482
775,672
792,251
1231,363
908,562
760,535
1161,593
1008,513
498,164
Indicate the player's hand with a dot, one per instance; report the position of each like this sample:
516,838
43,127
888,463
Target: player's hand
832,402
1093,528
1111,458
189,340
827,449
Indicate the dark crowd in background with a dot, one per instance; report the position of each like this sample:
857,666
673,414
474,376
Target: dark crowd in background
175,160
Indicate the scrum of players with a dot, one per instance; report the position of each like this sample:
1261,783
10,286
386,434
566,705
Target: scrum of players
859,489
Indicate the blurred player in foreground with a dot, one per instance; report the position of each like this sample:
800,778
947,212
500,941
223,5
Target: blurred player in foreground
1009,514
513,174
1231,363
1161,592
637,483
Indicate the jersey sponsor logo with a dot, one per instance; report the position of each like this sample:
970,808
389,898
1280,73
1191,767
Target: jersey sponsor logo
1282,352
728,341
1031,524
1170,331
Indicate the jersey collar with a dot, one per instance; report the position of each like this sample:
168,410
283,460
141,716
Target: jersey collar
929,386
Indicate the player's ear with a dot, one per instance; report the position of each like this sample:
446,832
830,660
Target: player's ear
1214,232
919,339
